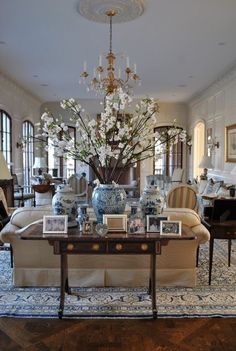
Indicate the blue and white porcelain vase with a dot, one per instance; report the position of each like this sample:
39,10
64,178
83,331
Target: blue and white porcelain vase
151,201
63,203
82,215
108,199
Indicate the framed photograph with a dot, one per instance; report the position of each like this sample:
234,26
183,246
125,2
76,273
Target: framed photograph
55,224
136,225
116,222
231,143
170,228
154,222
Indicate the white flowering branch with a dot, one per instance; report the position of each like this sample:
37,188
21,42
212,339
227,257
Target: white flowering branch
113,142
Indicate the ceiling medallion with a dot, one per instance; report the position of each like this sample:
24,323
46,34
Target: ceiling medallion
126,10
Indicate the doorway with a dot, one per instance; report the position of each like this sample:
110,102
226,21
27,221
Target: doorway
199,148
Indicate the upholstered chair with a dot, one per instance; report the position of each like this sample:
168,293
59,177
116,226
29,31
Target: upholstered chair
182,196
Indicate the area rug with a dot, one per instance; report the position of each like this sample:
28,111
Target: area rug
217,300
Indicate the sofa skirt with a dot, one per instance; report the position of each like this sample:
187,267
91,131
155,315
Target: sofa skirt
99,277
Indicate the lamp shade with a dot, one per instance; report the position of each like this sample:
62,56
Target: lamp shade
39,162
206,163
4,171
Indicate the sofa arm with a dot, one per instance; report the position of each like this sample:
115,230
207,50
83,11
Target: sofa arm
8,233
26,215
191,219
202,233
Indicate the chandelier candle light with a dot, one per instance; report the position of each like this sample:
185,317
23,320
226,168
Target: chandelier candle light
102,83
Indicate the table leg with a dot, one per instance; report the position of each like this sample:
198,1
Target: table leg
153,285
64,283
211,247
150,277
229,252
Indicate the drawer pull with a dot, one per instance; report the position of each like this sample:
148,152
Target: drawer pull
144,247
95,247
119,247
70,247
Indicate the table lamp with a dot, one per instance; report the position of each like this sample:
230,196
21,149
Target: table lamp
39,162
4,171
205,164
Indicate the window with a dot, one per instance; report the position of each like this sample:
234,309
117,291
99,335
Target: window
6,136
28,153
165,163
66,166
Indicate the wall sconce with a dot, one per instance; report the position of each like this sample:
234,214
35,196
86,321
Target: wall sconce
215,144
19,145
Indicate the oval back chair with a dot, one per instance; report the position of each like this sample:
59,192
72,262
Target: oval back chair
182,196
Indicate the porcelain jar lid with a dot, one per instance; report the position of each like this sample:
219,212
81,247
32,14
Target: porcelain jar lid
64,188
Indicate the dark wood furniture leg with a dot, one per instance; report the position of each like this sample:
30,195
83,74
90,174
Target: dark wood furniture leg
150,278
211,247
11,255
64,283
197,258
153,285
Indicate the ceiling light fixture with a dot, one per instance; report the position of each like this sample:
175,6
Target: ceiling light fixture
105,79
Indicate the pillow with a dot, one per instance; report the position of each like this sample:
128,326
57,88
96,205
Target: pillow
216,186
4,218
202,186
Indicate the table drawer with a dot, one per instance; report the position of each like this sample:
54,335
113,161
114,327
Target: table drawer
132,248
86,247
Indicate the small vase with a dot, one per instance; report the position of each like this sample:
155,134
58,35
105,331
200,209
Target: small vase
82,215
108,199
151,201
63,203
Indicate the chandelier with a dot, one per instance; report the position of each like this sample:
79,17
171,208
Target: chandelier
108,79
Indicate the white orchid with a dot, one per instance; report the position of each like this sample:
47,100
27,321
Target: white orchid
113,141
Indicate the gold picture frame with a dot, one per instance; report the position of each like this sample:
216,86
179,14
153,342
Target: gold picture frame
231,143
116,222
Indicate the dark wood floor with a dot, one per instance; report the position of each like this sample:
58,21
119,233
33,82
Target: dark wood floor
215,334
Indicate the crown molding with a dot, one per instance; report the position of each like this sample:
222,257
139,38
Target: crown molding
21,91
215,87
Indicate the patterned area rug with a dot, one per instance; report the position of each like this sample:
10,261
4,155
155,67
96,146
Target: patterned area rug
218,300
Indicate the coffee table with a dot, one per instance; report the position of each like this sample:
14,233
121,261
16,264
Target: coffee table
77,243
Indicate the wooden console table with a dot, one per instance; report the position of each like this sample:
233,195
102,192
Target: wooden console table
76,243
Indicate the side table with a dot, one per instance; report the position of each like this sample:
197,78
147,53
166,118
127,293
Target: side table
220,230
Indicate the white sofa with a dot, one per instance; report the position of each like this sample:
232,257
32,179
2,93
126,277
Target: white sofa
36,265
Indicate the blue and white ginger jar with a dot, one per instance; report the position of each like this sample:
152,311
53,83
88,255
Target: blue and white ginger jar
108,199
63,203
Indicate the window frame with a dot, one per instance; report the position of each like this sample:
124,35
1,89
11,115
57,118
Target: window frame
28,151
7,150
175,150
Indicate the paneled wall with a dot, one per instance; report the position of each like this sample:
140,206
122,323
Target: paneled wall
20,105
216,106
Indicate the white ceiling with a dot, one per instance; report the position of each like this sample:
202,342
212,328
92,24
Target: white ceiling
180,46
